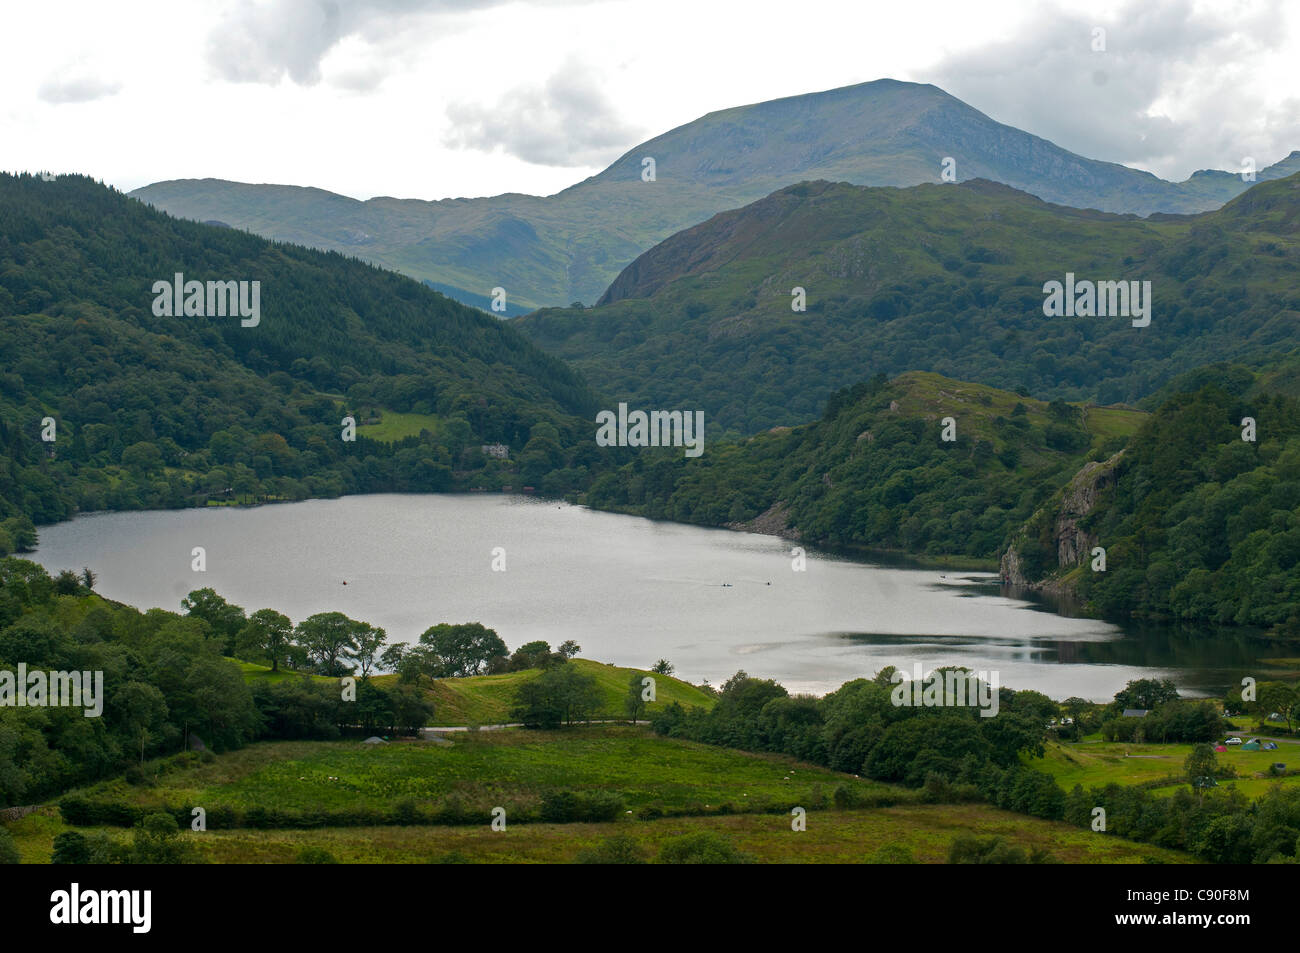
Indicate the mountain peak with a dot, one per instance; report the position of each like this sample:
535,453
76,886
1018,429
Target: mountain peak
572,245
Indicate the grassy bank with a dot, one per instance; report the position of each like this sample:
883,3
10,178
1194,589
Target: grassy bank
487,699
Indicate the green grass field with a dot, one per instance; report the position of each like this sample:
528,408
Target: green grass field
262,673
832,837
489,768
486,699
514,768
393,426
1101,763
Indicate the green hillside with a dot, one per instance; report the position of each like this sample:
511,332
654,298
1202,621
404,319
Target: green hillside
1202,524
875,471
150,410
487,699
946,279
553,250
429,802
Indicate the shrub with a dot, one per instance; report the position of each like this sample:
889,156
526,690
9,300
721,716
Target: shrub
8,849
969,849
70,847
705,847
406,813
618,849
565,807
315,855
893,854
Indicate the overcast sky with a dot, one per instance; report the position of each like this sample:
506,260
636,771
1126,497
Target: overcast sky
436,98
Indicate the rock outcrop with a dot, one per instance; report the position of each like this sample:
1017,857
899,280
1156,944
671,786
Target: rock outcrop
774,521
1073,543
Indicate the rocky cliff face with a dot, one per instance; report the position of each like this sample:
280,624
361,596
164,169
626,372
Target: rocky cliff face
1012,574
1073,543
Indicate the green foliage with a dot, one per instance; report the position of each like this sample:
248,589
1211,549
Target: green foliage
561,695
634,702
615,849
157,840
164,676
566,807
70,847
859,729
706,847
458,651
1202,525
1145,693
1200,764
268,636
970,849
873,471
8,849
893,854
330,640
942,278
158,412
315,855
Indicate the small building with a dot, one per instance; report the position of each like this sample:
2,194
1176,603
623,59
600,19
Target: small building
497,451
1136,712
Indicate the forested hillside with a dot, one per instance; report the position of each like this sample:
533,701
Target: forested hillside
876,472
157,411
1199,523
941,278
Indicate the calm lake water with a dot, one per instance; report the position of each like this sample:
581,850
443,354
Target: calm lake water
629,590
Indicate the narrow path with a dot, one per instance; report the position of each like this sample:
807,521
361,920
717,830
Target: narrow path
440,729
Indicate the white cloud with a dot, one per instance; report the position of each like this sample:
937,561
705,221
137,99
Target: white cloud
568,121
268,41
1179,86
75,89
358,102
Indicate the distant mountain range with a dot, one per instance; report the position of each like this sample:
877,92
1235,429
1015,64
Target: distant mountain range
555,250
943,278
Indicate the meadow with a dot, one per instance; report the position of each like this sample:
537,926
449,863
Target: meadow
487,699
1098,763
654,776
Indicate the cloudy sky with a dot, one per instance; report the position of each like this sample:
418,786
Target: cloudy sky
436,98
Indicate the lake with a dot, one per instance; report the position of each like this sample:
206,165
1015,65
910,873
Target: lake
628,590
